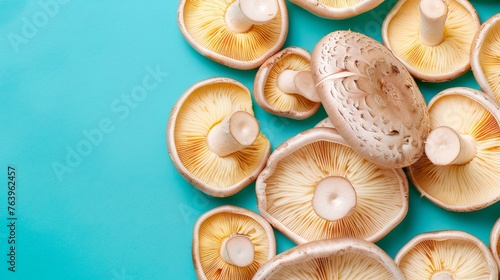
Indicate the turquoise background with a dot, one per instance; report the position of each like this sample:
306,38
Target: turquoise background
120,210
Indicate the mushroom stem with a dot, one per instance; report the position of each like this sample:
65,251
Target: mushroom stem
298,82
235,132
334,198
432,20
241,15
444,146
442,275
238,250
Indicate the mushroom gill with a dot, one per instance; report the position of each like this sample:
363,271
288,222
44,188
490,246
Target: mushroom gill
206,24
290,189
489,59
212,233
206,106
340,3
469,185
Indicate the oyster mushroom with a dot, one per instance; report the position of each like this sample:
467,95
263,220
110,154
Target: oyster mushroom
460,170
337,9
283,85
340,258
485,56
446,255
213,138
316,187
370,98
495,242
432,38
230,242
240,34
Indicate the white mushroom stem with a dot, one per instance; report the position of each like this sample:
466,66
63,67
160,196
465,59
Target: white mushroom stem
238,250
442,275
235,132
241,15
334,198
298,82
432,20
444,146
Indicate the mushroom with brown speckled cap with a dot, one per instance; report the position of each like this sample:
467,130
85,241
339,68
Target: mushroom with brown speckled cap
213,137
370,98
495,242
339,258
316,187
283,85
231,242
337,9
432,38
446,255
460,170
240,34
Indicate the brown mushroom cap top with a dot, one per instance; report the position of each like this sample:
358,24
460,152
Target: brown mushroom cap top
370,97
271,98
446,254
337,9
495,242
340,258
203,106
485,56
203,24
402,29
475,184
287,190
218,225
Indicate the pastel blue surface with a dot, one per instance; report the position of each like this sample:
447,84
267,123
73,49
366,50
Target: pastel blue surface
97,196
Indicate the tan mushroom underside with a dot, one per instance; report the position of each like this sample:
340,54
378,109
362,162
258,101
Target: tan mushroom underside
337,9
495,242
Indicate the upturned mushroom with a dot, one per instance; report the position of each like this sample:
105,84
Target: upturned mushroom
460,170
240,34
337,9
231,242
485,56
283,85
432,38
370,98
446,255
495,242
340,258
316,187
213,138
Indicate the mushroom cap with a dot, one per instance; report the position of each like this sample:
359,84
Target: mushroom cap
203,105
370,98
336,9
214,226
339,258
448,252
485,56
285,189
443,62
326,122
495,242
474,185
271,98
203,25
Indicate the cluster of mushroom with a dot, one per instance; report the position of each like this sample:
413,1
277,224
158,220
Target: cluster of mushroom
337,188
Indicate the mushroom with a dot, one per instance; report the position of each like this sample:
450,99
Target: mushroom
495,242
325,123
283,85
336,9
432,38
315,187
485,56
446,255
213,138
340,258
230,242
240,34
460,170
370,98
